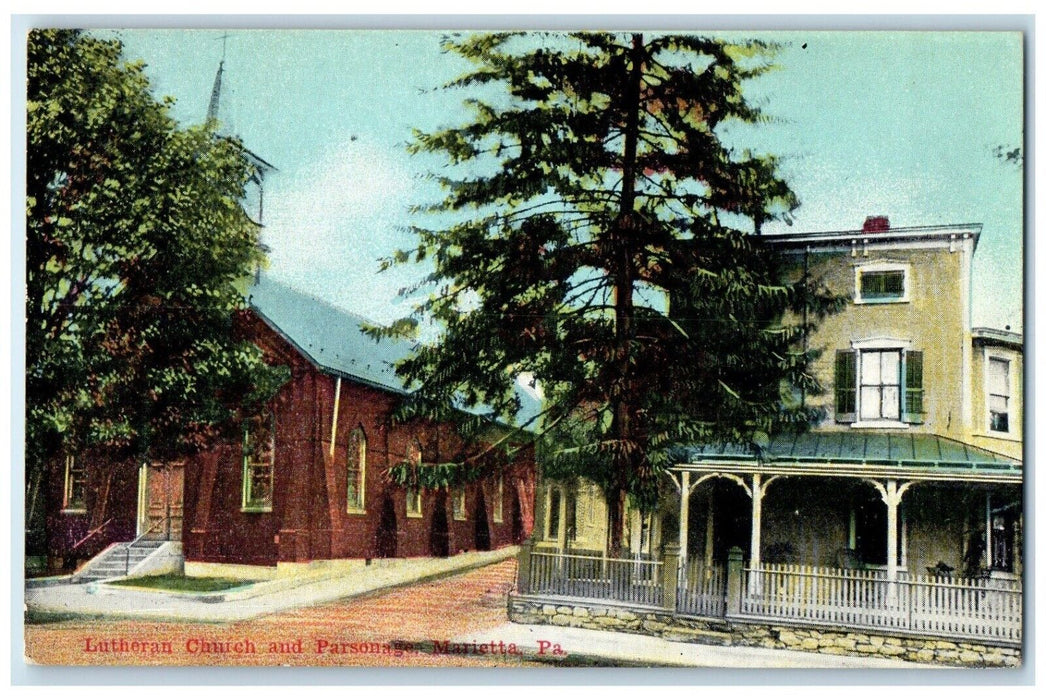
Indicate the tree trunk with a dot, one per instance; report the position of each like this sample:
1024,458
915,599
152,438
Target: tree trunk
616,502
624,274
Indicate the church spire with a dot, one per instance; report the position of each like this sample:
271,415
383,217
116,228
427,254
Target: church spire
216,91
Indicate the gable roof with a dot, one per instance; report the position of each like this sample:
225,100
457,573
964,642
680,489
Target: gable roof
332,339
329,337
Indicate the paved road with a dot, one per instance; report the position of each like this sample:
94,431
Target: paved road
402,627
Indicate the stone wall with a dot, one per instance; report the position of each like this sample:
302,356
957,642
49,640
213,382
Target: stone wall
823,640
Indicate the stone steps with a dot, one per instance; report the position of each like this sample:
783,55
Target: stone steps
117,561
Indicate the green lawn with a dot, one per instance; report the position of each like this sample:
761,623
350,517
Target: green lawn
177,582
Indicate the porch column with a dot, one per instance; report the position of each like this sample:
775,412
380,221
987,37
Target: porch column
988,530
709,527
892,500
684,517
757,519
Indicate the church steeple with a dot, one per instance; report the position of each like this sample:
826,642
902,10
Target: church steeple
216,92
253,198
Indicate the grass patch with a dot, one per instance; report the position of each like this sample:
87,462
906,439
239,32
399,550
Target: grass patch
174,582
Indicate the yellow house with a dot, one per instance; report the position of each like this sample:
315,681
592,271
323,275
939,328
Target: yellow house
917,466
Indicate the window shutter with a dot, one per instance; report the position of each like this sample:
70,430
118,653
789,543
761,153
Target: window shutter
913,387
845,386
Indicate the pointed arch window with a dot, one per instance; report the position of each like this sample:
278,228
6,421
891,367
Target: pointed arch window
414,494
259,461
74,498
356,471
499,499
458,503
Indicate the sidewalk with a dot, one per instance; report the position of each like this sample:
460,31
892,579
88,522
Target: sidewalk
582,647
100,600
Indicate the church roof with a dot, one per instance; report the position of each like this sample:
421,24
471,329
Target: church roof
333,340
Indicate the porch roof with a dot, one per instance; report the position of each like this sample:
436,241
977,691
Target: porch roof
861,454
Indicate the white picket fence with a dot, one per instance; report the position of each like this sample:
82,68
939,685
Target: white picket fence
980,608
636,581
702,589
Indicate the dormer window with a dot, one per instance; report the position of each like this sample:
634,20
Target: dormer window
880,283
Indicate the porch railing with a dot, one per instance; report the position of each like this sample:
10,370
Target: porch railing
973,608
636,581
986,609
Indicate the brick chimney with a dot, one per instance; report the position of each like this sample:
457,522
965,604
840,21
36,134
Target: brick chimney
876,224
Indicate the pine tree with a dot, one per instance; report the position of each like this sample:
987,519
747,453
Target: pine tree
600,234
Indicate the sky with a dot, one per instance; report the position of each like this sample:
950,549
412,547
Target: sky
902,124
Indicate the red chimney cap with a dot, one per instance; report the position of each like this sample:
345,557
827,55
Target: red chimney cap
875,224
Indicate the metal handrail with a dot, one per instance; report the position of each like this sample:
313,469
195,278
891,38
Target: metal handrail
92,533
127,550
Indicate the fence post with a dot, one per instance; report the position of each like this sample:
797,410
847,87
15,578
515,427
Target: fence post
523,567
735,561
670,576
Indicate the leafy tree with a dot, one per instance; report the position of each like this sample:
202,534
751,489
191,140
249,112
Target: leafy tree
596,233
135,244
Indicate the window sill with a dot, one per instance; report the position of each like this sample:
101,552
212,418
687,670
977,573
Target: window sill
460,518
872,302
499,521
356,511
999,436
415,515
256,509
74,511
883,424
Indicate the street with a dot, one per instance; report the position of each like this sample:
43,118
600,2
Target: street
408,626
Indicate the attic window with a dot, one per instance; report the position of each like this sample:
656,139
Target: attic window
881,283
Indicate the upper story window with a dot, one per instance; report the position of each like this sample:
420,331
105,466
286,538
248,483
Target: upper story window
259,461
414,494
879,283
74,499
880,385
876,386
356,471
998,395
